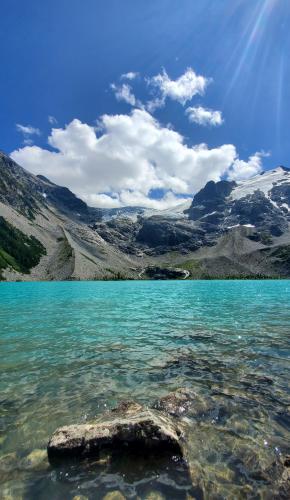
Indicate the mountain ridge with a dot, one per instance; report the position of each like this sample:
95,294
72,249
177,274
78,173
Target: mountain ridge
229,229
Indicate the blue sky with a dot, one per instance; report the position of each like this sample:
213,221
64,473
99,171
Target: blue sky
60,58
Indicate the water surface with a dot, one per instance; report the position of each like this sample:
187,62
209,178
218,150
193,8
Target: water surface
71,350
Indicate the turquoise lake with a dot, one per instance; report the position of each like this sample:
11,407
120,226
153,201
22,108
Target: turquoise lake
71,350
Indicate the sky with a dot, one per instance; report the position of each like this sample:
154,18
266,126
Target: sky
138,102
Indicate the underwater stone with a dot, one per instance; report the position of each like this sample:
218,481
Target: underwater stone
154,495
180,402
176,403
37,459
114,495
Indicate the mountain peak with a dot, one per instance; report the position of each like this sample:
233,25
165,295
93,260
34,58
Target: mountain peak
45,179
29,193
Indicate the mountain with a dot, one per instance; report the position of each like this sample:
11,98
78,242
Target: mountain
27,193
50,224
229,229
262,203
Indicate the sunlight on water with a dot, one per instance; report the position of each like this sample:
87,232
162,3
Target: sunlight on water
71,350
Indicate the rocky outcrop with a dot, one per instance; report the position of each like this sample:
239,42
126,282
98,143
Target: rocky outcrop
281,196
120,232
131,427
173,433
212,198
128,440
158,231
257,210
18,188
66,202
152,236
166,273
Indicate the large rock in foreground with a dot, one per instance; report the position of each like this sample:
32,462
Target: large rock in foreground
130,427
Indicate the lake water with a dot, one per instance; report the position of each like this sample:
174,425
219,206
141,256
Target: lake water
71,350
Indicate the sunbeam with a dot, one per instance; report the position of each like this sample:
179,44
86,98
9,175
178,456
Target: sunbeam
280,88
251,41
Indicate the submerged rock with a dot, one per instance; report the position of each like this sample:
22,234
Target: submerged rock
7,462
177,403
127,407
130,426
114,495
154,495
37,459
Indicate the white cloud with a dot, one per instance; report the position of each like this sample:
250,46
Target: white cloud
134,198
129,76
242,170
132,155
52,120
154,104
27,129
102,200
204,116
124,93
182,90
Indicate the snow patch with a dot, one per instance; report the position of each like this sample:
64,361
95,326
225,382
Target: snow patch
207,215
241,225
284,205
264,182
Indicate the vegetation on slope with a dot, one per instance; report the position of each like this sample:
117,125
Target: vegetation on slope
283,253
17,250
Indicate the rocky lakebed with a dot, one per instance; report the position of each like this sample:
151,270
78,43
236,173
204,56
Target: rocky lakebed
160,437
145,390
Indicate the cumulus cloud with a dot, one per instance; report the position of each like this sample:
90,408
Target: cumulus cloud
27,129
129,76
182,90
103,200
124,93
134,198
204,116
123,161
242,170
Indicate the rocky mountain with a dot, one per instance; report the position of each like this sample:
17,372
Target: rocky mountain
50,224
262,203
228,229
27,193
